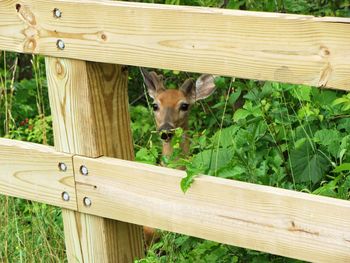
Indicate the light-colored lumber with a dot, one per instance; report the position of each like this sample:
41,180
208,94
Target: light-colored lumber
89,105
263,46
31,171
273,220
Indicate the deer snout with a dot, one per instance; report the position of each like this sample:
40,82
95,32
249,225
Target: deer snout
166,131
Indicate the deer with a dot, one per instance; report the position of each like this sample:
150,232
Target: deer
171,109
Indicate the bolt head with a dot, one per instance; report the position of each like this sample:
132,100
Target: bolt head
62,167
57,13
60,44
87,201
65,196
84,170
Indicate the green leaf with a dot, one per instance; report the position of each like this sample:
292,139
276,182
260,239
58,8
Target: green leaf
186,182
323,97
343,167
192,171
212,160
234,96
226,136
308,165
327,137
330,138
240,114
345,100
145,155
344,124
207,162
299,143
340,101
234,172
301,92
220,82
328,189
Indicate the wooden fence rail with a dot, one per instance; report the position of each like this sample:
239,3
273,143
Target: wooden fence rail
31,171
90,119
260,217
264,46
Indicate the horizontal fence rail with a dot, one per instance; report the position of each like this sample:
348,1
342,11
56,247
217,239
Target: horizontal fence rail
273,220
264,46
36,172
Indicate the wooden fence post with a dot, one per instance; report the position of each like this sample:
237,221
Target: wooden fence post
89,106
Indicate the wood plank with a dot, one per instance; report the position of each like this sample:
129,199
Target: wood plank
264,46
31,171
89,105
264,218
273,220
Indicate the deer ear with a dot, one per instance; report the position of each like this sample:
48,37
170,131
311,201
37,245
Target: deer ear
205,86
188,88
153,82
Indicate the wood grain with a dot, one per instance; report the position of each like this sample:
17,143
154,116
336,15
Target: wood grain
273,220
263,46
89,106
31,171
263,218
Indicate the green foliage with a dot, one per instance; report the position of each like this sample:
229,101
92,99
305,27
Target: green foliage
313,7
344,101
284,135
289,136
268,142
30,232
308,164
37,130
183,249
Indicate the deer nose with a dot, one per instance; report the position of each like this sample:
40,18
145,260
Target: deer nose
166,135
167,131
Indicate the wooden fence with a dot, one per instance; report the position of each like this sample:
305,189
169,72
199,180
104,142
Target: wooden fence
104,200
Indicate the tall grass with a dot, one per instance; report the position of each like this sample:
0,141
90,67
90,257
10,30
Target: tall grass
29,231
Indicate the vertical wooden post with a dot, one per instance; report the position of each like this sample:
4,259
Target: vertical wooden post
89,106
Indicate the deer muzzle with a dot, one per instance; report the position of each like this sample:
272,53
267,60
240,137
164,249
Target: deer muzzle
166,131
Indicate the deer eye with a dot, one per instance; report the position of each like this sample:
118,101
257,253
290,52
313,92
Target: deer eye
184,106
155,106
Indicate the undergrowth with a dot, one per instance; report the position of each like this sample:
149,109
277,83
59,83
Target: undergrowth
288,136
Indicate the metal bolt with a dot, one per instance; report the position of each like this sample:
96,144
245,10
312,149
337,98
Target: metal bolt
62,167
57,13
87,201
65,196
84,170
60,44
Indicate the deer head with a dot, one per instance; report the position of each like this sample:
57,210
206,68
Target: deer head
171,106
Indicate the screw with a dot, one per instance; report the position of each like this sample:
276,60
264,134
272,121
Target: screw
62,167
65,196
84,170
87,201
57,13
60,44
